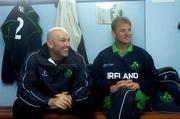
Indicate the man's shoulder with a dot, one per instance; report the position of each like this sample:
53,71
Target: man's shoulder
104,54
75,56
33,55
139,49
106,51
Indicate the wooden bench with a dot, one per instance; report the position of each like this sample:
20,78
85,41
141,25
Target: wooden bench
157,115
6,113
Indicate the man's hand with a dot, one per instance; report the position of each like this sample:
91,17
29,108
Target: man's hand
133,85
62,101
124,84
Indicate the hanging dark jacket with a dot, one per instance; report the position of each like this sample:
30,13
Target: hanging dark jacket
21,34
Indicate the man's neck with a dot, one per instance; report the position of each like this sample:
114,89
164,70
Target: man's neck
54,57
122,47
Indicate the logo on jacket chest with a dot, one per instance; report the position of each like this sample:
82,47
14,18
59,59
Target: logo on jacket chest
44,73
135,65
117,75
68,73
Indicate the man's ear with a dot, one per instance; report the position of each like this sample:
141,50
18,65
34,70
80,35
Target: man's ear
113,34
49,44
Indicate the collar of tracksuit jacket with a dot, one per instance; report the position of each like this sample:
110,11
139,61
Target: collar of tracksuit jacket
63,64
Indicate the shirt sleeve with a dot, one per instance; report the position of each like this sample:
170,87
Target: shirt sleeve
27,84
101,85
82,85
148,83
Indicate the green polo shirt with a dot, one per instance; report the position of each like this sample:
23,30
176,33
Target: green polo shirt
122,54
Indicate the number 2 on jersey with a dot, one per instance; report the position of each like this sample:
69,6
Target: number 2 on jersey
21,23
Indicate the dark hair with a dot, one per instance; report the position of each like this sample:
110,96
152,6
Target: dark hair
120,20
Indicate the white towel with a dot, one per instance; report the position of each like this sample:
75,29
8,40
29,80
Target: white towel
66,17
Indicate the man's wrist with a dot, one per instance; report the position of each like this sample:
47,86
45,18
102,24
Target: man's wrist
51,102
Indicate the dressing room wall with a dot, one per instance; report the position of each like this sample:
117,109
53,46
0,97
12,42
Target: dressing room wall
154,28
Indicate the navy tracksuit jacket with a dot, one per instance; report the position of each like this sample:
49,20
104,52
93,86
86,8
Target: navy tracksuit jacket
40,79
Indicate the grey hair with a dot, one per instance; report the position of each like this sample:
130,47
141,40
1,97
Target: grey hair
120,20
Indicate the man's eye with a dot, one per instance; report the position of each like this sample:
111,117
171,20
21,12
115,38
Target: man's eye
62,41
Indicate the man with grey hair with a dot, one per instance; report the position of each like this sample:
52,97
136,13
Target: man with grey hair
53,78
126,74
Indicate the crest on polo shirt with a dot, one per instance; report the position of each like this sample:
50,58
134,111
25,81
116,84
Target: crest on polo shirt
135,65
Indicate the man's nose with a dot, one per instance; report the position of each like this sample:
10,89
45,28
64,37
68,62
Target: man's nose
67,43
127,32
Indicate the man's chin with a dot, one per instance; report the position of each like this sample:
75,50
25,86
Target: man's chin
65,54
127,41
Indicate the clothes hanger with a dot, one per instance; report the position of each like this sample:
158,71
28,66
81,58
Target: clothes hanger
56,3
22,2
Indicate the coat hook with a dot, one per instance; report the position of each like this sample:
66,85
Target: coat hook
56,3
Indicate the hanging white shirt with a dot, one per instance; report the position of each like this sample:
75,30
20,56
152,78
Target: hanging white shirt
66,17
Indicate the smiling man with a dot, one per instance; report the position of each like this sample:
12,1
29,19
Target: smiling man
53,78
126,74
